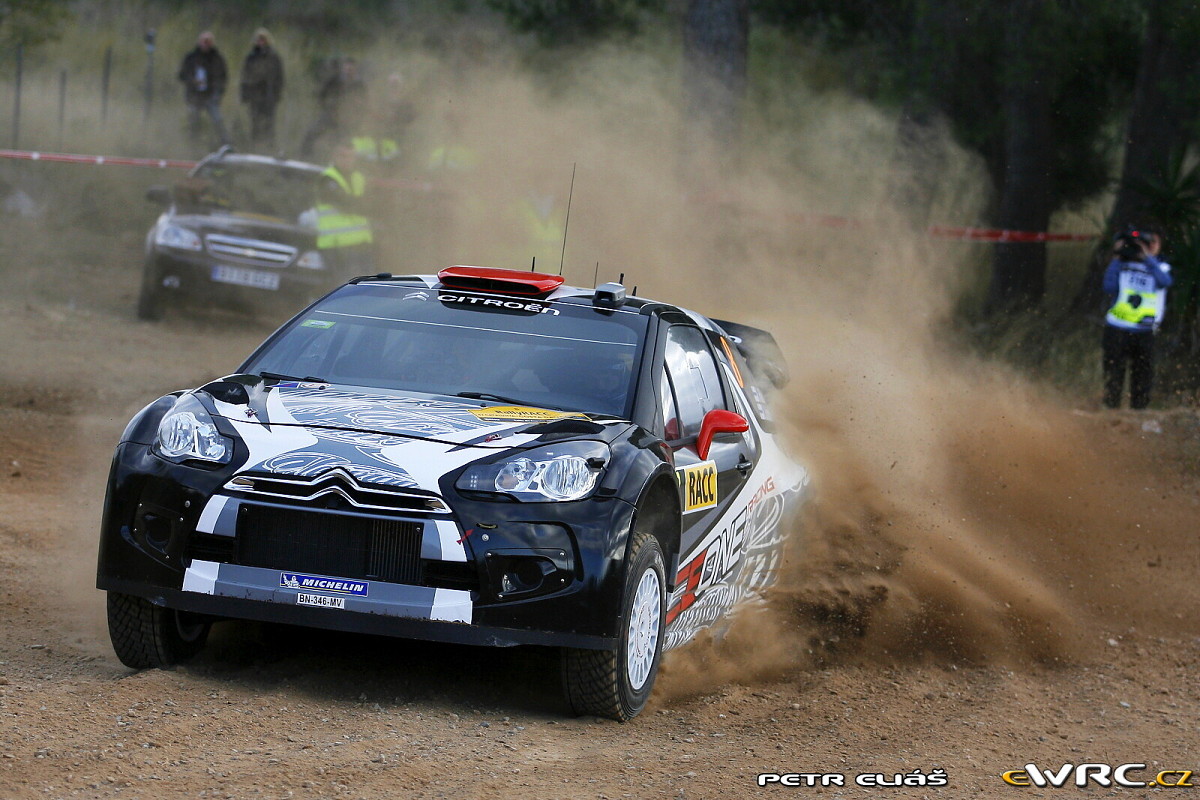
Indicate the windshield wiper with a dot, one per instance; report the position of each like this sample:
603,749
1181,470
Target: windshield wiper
278,376
501,398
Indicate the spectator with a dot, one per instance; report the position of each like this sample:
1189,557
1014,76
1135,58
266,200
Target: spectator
204,77
343,228
1136,283
342,99
261,88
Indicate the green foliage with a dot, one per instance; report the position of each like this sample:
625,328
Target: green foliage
31,22
560,23
953,59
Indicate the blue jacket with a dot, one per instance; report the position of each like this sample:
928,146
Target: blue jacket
1113,271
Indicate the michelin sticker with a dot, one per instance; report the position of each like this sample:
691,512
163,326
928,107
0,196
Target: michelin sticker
296,580
699,483
522,414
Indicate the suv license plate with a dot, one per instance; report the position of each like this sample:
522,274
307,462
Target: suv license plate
241,276
324,601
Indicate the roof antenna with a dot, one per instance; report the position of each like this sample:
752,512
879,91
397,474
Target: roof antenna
634,291
596,276
567,221
532,263
621,280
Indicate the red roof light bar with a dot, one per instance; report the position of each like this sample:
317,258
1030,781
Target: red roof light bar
500,281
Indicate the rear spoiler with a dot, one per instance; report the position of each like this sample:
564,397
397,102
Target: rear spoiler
760,350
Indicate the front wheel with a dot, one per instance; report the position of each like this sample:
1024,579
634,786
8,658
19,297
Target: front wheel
145,635
616,684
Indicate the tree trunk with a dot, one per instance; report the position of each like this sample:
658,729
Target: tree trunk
715,49
1019,269
1159,125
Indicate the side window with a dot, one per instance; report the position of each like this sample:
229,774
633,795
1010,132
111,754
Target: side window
694,376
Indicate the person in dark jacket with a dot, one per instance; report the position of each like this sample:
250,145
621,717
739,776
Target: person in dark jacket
204,77
261,88
343,103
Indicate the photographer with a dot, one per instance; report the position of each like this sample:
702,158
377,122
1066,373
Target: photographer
1136,281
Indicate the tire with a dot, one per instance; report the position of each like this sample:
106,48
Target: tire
617,683
150,296
145,635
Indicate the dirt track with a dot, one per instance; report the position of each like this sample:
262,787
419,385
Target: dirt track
905,653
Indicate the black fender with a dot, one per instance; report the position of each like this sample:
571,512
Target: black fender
647,481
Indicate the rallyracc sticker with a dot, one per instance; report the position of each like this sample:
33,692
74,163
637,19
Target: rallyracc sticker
319,583
699,483
523,414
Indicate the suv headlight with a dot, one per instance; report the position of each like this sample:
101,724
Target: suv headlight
188,433
311,260
567,471
177,238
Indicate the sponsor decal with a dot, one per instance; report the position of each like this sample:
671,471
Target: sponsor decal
917,777
1083,775
523,414
705,585
320,583
514,305
699,484
323,324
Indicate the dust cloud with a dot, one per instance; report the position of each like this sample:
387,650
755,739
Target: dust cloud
959,513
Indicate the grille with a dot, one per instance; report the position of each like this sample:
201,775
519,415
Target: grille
333,487
254,252
341,545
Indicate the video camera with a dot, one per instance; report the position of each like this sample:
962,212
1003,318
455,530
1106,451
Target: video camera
1132,244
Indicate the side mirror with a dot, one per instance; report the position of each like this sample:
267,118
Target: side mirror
718,421
159,194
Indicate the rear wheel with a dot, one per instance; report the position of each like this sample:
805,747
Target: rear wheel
145,635
150,297
617,683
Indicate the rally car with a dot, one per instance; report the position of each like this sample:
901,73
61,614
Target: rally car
483,456
238,230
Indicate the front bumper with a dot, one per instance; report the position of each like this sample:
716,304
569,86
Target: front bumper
485,573
199,275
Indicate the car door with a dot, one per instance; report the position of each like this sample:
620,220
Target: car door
691,386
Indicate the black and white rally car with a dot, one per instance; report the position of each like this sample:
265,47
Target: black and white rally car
484,456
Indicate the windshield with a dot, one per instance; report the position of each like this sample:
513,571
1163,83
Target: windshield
271,190
549,355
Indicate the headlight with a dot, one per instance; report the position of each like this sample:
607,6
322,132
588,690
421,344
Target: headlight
311,260
567,471
177,238
188,433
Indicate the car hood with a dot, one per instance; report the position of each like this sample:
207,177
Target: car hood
408,439
250,226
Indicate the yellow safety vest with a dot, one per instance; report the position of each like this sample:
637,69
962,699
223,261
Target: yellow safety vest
1139,301
338,228
371,149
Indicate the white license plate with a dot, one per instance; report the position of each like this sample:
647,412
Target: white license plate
241,276
321,600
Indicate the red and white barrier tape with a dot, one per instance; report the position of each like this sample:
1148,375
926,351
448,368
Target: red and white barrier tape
169,163
825,220
953,233
120,161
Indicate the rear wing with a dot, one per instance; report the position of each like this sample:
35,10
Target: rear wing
760,350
